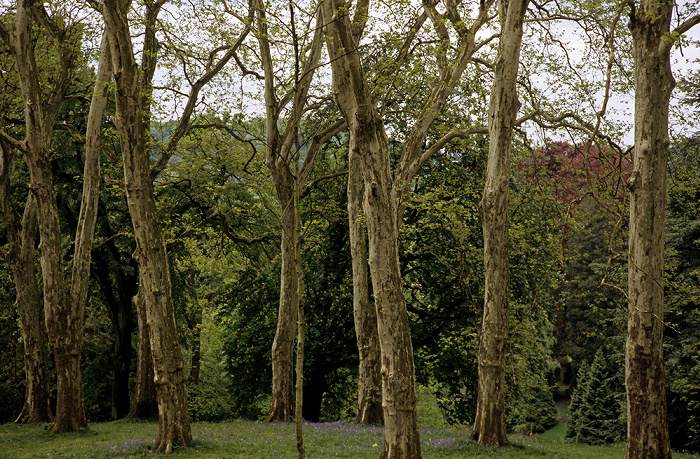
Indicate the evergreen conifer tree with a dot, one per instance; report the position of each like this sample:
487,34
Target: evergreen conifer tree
595,418
575,406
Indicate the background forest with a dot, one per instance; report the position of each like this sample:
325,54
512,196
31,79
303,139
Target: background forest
222,82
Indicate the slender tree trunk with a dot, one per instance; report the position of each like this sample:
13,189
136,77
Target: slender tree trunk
401,438
63,319
144,404
281,160
647,424
301,335
369,385
37,406
155,287
489,424
283,344
22,236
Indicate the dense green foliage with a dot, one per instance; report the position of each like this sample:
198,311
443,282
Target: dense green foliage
682,334
595,408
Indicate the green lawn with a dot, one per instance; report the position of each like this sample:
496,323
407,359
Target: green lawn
249,439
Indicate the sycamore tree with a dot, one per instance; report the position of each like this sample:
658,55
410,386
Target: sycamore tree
653,40
384,195
64,303
290,153
134,103
489,425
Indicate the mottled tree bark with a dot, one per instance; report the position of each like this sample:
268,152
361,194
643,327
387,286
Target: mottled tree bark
144,404
401,438
63,308
489,423
155,287
289,172
369,385
22,233
647,424
283,344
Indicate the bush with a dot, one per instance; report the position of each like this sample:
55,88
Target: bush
207,402
538,414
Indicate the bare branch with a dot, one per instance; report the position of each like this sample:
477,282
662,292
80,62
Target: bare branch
182,125
19,144
307,188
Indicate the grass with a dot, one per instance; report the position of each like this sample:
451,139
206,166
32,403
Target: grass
255,440
250,439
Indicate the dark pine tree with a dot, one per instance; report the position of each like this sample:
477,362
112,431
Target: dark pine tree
575,406
598,418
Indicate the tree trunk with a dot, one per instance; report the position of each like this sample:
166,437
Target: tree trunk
37,407
155,287
63,317
283,344
283,162
401,438
144,404
118,288
22,238
489,423
647,424
369,384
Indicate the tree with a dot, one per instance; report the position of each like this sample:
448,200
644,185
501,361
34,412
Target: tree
290,162
595,417
647,425
576,400
64,307
133,95
489,425
371,144
385,196
369,406
155,288
22,235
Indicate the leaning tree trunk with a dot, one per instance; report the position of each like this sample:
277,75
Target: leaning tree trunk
401,437
155,287
647,424
22,237
63,319
489,423
369,384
